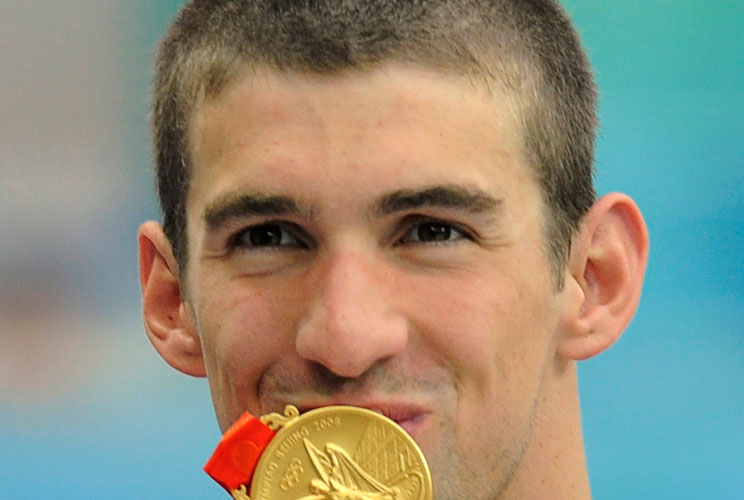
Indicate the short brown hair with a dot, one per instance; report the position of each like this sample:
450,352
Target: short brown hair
529,47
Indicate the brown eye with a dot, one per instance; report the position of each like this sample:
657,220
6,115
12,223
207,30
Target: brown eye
432,231
265,236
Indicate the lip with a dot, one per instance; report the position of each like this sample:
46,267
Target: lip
410,417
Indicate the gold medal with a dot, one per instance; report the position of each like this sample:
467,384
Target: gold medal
338,453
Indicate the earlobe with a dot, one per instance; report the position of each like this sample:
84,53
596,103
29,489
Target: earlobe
168,323
606,269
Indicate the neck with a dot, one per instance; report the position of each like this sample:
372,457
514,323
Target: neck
554,464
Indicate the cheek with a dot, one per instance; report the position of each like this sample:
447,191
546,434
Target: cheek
243,331
496,339
493,331
470,321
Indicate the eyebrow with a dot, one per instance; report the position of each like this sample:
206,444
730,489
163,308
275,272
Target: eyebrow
458,197
233,206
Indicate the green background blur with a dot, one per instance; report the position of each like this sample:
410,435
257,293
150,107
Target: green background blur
89,411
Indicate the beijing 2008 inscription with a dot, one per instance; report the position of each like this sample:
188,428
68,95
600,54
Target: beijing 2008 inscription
340,453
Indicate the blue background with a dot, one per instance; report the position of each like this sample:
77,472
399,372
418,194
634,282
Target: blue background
88,410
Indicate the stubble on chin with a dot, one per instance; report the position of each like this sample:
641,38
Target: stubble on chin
477,472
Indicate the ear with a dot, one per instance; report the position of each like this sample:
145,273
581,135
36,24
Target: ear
167,320
605,276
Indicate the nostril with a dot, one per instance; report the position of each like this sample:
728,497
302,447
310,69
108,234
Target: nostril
326,379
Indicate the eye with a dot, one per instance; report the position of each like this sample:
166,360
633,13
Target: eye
265,236
432,231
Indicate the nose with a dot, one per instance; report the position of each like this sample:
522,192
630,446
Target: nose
352,322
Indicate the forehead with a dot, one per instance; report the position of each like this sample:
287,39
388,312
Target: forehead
393,125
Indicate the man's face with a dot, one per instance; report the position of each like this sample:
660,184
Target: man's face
374,239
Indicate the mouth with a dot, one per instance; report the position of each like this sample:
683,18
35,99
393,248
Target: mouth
410,417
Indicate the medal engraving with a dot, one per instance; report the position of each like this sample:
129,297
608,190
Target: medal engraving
339,453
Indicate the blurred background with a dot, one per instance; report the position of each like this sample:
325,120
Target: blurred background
87,408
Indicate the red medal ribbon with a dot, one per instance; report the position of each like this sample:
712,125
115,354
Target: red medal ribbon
235,458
